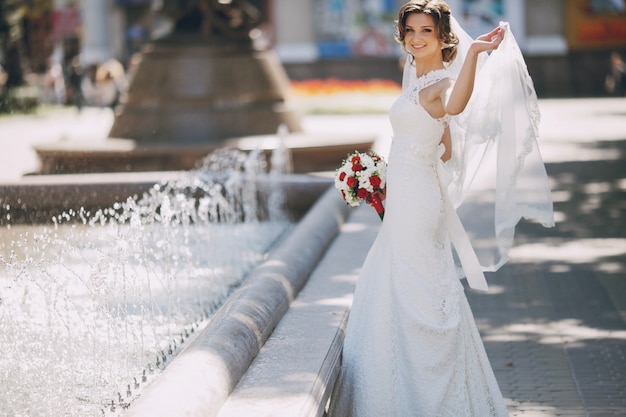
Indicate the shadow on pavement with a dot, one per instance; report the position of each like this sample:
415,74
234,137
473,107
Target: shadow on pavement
554,323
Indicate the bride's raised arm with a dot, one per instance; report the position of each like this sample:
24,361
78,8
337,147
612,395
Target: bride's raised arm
457,96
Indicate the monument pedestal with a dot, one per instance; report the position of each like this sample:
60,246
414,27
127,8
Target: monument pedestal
191,92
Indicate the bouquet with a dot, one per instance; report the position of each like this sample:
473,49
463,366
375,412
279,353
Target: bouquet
361,177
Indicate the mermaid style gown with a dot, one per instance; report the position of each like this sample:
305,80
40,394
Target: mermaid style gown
412,347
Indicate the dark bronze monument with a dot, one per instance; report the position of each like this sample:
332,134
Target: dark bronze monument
205,81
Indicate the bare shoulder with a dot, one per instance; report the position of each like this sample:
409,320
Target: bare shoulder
446,89
433,97
439,89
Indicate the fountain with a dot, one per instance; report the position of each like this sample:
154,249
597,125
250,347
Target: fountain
98,302
94,305
204,83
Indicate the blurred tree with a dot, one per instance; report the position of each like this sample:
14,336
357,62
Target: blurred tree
12,49
15,16
11,46
37,30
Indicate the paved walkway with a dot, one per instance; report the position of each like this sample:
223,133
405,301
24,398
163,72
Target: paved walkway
554,323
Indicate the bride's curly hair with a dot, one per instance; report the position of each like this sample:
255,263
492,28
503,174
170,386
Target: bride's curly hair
440,12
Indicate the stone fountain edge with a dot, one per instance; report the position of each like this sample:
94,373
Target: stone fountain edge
220,356
200,379
37,199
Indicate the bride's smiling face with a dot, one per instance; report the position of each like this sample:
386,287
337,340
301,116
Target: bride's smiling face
420,39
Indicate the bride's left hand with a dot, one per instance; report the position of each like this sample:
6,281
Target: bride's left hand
489,41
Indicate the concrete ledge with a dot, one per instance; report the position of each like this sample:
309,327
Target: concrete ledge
294,373
200,379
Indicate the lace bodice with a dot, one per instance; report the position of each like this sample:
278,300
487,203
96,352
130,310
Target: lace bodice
418,83
414,129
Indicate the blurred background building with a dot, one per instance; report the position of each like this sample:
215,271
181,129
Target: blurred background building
567,43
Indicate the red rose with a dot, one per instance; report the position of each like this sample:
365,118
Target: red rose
357,167
375,181
362,193
351,182
342,176
355,159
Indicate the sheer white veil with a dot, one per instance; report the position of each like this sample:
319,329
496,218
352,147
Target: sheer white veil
498,175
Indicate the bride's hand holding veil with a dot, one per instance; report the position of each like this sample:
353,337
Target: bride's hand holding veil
458,96
491,40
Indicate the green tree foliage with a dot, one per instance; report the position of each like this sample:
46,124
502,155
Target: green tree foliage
13,57
11,35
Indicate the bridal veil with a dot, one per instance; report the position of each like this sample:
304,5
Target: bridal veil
498,175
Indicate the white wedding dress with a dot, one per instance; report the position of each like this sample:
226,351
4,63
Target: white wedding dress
412,347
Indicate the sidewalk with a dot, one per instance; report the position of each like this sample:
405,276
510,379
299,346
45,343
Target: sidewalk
554,322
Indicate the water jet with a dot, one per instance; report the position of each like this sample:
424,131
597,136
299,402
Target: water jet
77,292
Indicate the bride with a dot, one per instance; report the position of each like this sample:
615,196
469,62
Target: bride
411,346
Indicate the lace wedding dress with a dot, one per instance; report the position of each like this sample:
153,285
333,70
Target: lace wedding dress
412,347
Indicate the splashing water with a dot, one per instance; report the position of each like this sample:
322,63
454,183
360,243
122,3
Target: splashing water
95,305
